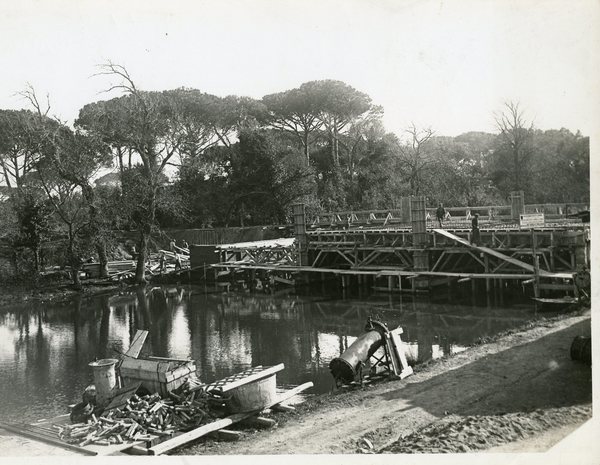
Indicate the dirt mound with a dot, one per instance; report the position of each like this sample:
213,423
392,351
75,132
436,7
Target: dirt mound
465,434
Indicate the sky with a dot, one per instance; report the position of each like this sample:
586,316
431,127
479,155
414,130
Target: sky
448,65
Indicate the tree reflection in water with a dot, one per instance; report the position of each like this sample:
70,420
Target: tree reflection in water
44,350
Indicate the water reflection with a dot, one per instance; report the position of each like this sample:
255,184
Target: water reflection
45,349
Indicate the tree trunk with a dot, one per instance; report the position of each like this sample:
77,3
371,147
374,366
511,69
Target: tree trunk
516,164
140,269
6,176
88,194
102,258
145,231
36,258
120,157
74,259
306,149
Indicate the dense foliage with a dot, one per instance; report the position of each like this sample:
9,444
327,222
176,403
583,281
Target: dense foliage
190,159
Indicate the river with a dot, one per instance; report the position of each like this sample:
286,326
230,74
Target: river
45,348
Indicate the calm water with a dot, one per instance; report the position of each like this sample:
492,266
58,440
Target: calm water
45,349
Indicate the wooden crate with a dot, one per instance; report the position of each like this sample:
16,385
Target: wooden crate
157,375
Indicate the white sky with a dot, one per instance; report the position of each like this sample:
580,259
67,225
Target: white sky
444,64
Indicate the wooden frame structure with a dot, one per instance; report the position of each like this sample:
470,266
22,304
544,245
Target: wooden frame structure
546,257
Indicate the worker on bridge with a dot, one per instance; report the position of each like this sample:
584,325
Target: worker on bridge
439,214
475,229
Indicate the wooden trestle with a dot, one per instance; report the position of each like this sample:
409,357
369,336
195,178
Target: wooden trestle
547,258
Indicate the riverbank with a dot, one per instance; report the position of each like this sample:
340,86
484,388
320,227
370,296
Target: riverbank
519,388
53,291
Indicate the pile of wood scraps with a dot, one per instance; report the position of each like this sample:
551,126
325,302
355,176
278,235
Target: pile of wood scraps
141,418
181,409
103,431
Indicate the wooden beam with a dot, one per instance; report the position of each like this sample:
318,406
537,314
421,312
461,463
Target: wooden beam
226,435
260,422
196,433
442,255
136,345
283,408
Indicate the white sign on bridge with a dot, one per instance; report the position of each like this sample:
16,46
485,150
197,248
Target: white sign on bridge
531,220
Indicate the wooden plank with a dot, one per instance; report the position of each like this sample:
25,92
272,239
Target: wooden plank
226,435
283,408
167,359
136,345
396,369
561,300
122,396
260,422
113,449
196,433
291,393
487,250
399,352
380,272
556,287
24,430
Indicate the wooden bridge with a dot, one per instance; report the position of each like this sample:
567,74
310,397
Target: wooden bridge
550,257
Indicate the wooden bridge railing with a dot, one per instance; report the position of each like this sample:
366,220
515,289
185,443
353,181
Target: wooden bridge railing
493,213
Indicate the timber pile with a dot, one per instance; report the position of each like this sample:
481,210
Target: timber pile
103,431
125,269
162,416
143,418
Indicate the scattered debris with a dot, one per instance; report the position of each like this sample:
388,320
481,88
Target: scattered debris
471,433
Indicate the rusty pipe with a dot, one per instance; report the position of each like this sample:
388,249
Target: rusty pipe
344,367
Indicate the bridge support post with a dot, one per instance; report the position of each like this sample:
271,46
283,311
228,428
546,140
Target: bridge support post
299,212
420,240
517,204
486,260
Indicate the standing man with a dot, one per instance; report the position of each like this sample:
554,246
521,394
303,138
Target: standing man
475,229
439,214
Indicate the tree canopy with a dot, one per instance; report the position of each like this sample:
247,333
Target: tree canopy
184,157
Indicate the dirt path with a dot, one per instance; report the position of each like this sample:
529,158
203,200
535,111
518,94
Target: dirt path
522,372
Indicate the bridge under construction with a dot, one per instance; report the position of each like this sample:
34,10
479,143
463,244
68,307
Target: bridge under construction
549,252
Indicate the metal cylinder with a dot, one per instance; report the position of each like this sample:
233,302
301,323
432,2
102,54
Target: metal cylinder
344,367
105,378
581,349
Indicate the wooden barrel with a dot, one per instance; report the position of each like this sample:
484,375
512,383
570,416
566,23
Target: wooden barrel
581,349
